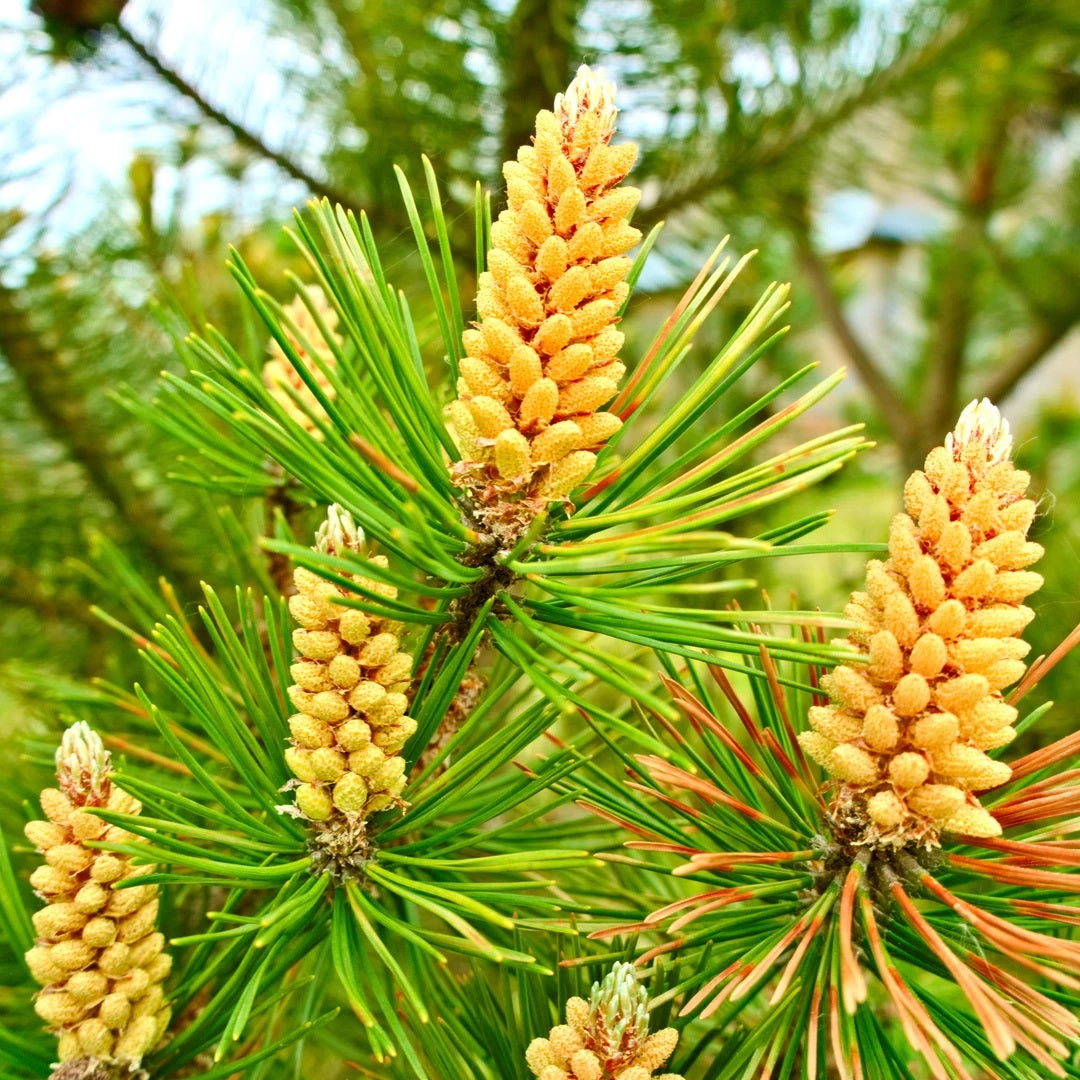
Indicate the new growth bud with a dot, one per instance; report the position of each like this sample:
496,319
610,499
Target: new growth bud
589,92
338,533
981,432
83,765
606,1037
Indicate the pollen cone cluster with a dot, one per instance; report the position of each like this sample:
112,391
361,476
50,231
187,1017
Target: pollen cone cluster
350,677
908,734
606,1037
542,360
99,955
281,377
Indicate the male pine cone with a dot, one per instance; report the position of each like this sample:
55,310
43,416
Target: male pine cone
543,358
99,955
282,379
350,677
908,734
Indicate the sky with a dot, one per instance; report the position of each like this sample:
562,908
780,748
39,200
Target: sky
68,132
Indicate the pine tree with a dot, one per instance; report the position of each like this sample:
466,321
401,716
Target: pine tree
378,805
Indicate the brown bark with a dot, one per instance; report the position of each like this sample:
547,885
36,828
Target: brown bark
539,63
893,409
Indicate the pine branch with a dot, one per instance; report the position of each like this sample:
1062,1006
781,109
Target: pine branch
243,135
950,339
61,407
1051,325
23,589
893,408
1012,275
956,307
1006,378
768,144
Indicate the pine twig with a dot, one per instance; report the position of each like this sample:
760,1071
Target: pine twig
767,145
21,588
1009,374
243,135
893,408
539,62
956,307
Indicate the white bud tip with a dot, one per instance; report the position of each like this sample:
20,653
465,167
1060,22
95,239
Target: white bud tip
590,91
981,423
338,532
83,765
619,1002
